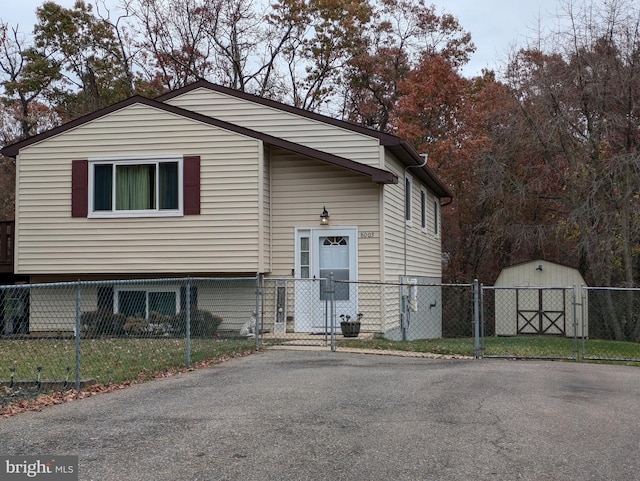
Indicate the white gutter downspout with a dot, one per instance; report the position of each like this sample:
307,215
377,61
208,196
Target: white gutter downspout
426,156
404,321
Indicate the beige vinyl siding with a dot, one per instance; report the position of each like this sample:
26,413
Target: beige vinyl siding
424,251
301,187
295,128
54,309
265,241
234,300
222,239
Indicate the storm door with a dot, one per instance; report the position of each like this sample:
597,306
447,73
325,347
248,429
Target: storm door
319,253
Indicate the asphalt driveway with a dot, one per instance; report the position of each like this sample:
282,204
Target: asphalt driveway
292,415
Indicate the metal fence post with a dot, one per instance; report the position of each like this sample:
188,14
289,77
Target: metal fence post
583,300
476,319
404,314
77,333
188,322
331,311
482,322
575,323
256,328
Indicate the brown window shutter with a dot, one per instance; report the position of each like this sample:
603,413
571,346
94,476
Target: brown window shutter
191,185
79,188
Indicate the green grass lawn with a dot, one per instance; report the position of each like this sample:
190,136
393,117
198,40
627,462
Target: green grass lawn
119,360
108,360
596,348
530,346
518,346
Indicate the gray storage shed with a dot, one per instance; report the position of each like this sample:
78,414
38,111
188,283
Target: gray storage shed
537,297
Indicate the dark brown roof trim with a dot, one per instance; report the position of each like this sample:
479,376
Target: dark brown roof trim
409,157
377,175
400,147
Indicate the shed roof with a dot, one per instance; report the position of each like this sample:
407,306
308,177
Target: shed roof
537,273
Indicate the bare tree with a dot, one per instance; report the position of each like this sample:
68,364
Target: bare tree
579,89
25,76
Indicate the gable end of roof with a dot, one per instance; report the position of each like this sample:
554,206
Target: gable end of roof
377,175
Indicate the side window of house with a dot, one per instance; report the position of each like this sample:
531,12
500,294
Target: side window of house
408,181
304,258
148,186
136,187
436,218
141,301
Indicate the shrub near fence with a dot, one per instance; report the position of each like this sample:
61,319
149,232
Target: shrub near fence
63,335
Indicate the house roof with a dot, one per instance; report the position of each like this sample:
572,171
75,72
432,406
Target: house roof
377,175
400,148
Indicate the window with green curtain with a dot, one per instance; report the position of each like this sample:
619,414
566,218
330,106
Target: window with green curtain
135,187
102,187
122,185
168,185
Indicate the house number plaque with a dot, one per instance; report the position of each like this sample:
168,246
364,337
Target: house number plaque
367,235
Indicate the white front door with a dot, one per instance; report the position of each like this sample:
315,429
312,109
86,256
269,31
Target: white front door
320,253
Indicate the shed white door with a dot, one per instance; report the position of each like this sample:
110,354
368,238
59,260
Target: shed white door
320,253
541,311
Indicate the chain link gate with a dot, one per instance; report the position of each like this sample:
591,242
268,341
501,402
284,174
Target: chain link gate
317,312
530,322
611,324
296,312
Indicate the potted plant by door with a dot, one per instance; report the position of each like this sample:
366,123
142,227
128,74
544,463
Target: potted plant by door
348,327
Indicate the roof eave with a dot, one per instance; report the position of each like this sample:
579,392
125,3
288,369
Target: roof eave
410,158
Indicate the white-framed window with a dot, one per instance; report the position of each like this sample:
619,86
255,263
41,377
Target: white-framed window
136,187
408,181
436,218
140,301
423,210
305,257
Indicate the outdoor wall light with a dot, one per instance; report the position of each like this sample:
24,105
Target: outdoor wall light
324,217
539,268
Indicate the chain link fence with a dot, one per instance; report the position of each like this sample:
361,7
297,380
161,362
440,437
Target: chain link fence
69,335
611,323
572,323
529,323
325,312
